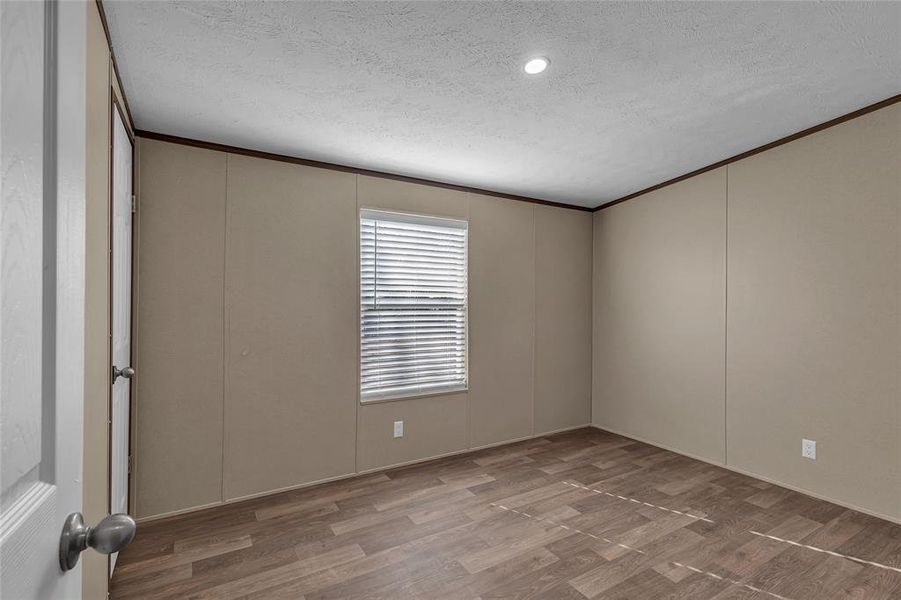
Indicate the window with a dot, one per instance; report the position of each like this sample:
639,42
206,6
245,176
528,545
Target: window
413,306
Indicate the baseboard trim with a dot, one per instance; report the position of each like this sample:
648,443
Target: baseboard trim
530,437
764,478
362,473
418,461
177,513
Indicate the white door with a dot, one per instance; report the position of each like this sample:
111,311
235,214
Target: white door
42,217
121,325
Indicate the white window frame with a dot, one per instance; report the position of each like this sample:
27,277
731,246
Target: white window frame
413,218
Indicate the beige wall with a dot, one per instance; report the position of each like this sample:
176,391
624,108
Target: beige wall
659,316
291,325
562,319
501,319
263,262
812,314
180,347
814,337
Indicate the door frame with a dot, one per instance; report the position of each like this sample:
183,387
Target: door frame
115,107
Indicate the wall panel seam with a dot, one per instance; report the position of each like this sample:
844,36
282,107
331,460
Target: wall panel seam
135,306
468,324
358,343
226,345
534,308
726,326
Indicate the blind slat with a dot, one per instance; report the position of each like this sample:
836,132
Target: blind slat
413,304
405,362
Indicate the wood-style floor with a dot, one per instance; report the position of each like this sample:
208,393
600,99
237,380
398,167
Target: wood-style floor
584,514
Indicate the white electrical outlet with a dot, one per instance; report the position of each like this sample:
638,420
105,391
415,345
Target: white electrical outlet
809,449
398,429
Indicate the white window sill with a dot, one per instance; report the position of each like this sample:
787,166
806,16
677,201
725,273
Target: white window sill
415,395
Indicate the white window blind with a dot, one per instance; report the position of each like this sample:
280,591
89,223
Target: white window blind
413,288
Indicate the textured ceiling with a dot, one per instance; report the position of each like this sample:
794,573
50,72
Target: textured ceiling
636,93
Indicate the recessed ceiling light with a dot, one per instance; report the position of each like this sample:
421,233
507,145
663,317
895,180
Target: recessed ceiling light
536,65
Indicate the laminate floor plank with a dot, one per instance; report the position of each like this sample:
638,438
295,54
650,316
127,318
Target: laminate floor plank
583,514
